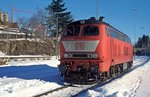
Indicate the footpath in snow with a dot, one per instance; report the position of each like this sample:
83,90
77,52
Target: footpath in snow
144,88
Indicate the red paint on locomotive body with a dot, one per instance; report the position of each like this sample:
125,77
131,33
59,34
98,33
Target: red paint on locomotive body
91,48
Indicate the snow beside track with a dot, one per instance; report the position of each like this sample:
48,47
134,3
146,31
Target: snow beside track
26,78
125,86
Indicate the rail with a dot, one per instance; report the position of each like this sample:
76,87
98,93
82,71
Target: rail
51,91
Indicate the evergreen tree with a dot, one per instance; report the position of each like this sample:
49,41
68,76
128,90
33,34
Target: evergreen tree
58,16
143,42
139,43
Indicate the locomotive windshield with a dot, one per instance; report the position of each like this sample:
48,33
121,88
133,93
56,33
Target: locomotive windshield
72,31
90,31
86,31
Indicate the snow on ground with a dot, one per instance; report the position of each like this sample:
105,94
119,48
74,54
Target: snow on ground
1,53
26,78
126,85
144,89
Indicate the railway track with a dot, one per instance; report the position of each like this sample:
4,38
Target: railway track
51,91
76,90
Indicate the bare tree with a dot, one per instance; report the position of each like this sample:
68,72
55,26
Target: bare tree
22,22
37,23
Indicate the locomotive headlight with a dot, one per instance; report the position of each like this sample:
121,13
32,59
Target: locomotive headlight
67,55
89,55
94,55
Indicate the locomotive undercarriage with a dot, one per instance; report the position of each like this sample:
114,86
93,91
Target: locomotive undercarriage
81,75
84,76
116,70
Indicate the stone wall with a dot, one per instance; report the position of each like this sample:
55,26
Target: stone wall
28,47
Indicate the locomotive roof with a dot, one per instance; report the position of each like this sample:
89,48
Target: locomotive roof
93,21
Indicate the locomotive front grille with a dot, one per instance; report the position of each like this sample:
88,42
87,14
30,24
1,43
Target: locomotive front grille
79,55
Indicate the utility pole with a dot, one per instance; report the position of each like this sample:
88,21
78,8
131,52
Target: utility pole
134,31
97,9
135,24
144,46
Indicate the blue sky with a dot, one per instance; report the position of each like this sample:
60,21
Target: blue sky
118,13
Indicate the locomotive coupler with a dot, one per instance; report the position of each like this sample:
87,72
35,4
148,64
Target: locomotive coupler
93,69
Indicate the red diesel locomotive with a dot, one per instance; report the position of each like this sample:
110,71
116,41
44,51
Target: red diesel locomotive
92,50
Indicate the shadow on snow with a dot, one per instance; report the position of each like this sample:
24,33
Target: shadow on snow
41,72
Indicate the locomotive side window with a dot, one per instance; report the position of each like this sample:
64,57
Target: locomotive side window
118,35
129,40
114,34
72,31
90,31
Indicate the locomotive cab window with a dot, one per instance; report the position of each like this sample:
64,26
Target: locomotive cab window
107,31
72,31
90,31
